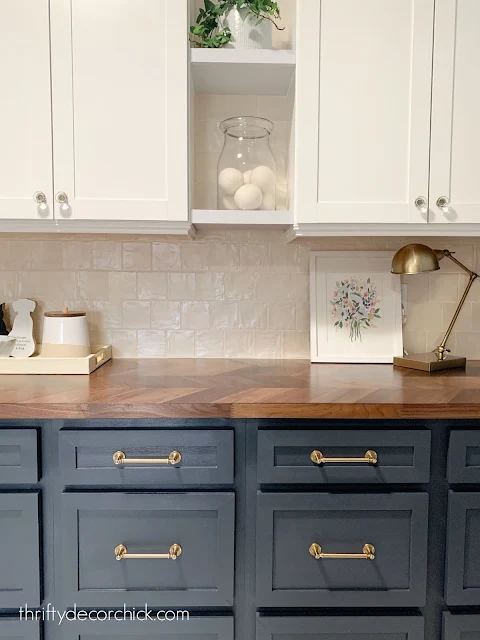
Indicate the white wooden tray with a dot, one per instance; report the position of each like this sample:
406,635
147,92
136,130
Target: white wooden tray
37,365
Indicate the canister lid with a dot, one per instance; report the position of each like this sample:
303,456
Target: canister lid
64,313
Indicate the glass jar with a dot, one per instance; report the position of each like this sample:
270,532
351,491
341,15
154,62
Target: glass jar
246,176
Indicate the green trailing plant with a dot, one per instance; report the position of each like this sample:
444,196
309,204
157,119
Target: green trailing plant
206,31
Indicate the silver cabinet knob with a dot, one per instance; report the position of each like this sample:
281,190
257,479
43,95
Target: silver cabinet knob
421,203
61,197
442,203
41,200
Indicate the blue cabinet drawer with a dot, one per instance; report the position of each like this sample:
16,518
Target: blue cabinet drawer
18,456
464,457
20,555
295,529
200,457
19,629
322,457
196,628
98,529
340,628
460,627
462,581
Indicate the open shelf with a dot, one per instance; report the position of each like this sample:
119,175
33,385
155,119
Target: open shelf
240,219
252,72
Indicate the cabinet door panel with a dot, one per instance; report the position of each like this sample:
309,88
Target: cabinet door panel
461,627
18,456
20,559
340,628
120,91
95,524
456,105
363,110
464,457
25,109
19,630
289,576
463,549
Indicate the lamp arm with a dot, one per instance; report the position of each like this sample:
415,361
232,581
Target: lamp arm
442,348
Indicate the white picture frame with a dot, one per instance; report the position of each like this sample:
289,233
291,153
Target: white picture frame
355,307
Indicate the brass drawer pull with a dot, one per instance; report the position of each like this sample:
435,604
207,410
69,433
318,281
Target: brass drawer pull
120,458
368,553
317,457
121,553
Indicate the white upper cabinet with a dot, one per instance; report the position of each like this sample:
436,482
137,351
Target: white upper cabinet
455,162
363,110
120,109
25,110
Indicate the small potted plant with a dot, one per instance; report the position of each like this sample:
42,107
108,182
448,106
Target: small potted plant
237,24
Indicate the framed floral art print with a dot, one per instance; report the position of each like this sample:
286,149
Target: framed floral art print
356,307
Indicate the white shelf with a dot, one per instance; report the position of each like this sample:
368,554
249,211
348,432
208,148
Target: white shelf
251,72
242,219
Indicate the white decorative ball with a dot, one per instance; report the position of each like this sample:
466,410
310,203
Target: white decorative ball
228,203
248,197
246,176
268,203
263,178
230,180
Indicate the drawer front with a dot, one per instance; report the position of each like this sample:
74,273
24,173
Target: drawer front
19,629
460,627
94,525
18,456
196,628
464,457
463,549
285,457
20,558
206,457
340,628
289,576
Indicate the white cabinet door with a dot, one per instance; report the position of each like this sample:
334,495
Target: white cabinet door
455,163
25,109
120,109
363,110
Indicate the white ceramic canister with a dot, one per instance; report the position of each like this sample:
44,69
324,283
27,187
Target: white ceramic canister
65,334
246,33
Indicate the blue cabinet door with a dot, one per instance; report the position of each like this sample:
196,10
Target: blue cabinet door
291,573
95,526
340,628
461,627
20,555
18,456
285,457
206,457
195,628
463,549
19,629
464,457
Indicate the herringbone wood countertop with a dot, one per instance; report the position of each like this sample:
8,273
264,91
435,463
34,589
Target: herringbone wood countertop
243,389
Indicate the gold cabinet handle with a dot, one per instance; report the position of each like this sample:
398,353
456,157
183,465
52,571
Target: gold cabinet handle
368,553
120,458
121,553
317,457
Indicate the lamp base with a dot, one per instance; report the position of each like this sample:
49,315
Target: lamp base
429,362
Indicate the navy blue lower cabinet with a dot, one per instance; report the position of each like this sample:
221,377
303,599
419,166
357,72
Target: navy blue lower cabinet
204,457
18,456
19,629
340,628
463,549
197,628
20,553
305,544
174,549
464,457
461,627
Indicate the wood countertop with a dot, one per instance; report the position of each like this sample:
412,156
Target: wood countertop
243,389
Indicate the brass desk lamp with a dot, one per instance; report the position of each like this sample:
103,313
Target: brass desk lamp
418,258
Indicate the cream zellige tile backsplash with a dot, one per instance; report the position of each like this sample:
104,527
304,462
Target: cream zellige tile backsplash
240,294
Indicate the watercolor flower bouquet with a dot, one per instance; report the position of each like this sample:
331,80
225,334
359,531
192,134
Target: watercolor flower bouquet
355,305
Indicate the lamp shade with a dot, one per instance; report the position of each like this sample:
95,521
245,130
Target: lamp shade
415,258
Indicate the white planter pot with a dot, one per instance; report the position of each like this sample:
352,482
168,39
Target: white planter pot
246,33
